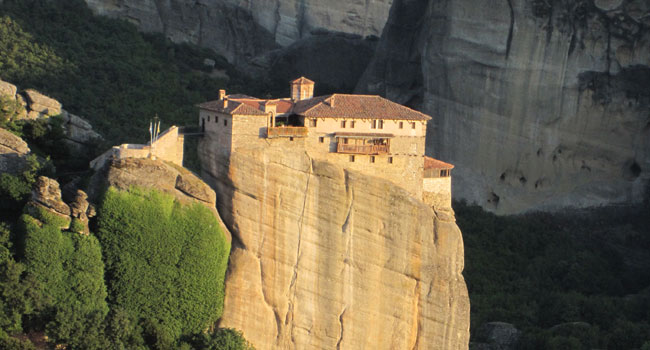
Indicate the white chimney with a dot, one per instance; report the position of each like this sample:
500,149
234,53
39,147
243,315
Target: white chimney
225,102
222,94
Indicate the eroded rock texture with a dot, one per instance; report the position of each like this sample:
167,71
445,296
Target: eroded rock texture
540,104
240,29
324,258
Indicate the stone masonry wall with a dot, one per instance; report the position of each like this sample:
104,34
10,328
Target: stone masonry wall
437,192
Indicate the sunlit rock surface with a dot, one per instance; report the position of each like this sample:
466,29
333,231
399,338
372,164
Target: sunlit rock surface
325,258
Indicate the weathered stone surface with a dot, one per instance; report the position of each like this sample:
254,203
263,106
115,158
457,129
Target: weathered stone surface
12,152
79,209
8,89
541,105
42,104
326,258
78,131
46,194
240,30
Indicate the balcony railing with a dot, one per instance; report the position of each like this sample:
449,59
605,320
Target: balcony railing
286,131
362,149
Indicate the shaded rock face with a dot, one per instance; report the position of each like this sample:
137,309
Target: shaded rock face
334,60
541,105
240,30
12,153
325,258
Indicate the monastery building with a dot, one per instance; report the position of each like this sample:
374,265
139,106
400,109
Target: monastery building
369,134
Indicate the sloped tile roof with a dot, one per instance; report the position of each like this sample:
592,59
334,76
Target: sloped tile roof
329,106
356,106
302,80
432,163
234,107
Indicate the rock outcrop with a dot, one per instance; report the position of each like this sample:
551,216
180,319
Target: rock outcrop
541,105
46,195
241,30
13,151
325,258
78,132
148,173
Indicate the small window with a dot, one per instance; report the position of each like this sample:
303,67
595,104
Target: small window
390,160
345,141
352,158
413,125
313,123
216,119
381,124
343,124
321,139
352,124
401,125
373,125
208,118
291,138
225,122
372,159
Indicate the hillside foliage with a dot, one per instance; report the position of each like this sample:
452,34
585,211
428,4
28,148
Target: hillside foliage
578,280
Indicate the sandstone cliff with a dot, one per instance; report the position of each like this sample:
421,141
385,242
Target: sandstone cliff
539,104
240,30
325,258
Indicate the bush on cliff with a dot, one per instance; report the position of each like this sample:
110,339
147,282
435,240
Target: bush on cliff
69,275
165,263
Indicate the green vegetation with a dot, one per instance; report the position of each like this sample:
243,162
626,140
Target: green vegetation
69,272
165,262
578,280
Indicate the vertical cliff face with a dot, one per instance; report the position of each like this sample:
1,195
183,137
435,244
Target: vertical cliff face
240,30
324,258
540,104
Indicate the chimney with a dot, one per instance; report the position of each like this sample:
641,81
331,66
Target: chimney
225,102
222,94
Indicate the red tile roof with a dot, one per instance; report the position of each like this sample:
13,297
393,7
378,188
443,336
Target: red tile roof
432,163
329,106
302,80
356,106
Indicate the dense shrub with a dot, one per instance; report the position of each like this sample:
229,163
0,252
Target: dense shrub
70,274
165,262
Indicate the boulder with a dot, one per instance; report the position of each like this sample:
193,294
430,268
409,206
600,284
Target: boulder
12,153
42,104
8,89
79,210
46,194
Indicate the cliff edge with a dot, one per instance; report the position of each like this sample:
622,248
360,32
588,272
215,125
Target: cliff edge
327,258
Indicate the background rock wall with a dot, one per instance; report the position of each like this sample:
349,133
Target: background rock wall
540,104
242,29
325,258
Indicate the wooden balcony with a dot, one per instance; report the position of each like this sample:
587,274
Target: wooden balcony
286,131
362,149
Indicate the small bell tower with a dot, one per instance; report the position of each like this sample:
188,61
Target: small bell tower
302,89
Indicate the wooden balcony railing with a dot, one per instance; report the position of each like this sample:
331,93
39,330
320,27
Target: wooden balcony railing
286,131
362,149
